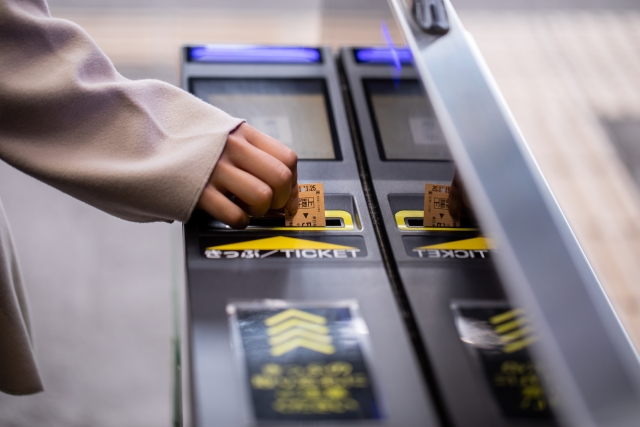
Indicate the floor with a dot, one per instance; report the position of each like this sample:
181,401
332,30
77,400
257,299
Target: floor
101,288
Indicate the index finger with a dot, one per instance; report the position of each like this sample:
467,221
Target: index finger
272,146
281,152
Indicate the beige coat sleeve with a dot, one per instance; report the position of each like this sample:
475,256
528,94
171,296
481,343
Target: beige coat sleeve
140,150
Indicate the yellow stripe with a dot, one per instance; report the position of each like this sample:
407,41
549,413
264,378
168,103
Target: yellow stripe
402,216
346,219
476,243
506,327
296,323
279,243
301,342
507,315
519,345
292,312
299,333
506,338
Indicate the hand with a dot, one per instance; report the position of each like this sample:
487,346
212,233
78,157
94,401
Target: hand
459,205
259,171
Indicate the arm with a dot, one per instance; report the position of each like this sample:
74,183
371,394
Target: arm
140,150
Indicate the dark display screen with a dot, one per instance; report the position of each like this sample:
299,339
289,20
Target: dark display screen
294,111
405,124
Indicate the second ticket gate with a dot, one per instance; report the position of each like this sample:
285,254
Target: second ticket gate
475,343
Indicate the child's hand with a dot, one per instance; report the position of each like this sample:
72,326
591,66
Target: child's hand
260,171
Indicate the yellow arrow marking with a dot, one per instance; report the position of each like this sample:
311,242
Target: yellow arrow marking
511,336
476,243
279,243
506,327
292,312
294,328
293,333
507,315
402,216
302,342
519,345
296,323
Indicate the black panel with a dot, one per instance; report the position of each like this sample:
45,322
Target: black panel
405,125
293,111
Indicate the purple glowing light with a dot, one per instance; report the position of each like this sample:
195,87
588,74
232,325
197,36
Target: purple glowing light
255,54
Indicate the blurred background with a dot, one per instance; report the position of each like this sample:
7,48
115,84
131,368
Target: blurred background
101,288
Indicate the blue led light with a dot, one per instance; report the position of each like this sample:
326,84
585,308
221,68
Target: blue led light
383,55
255,54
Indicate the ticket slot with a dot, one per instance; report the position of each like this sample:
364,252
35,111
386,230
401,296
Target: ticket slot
414,222
341,215
409,214
278,221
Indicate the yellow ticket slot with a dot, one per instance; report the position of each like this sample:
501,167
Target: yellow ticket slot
337,220
406,219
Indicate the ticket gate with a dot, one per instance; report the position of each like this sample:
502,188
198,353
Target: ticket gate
293,324
447,275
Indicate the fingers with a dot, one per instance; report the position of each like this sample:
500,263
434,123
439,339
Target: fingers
276,149
220,207
272,146
260,171
266,168
267,159
256,195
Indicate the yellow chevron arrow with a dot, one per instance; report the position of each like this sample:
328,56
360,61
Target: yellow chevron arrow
507,315
302,342
518,333
509,326
292,328
519,345
513,329
279,243
294,333
476,243
297,323
292,312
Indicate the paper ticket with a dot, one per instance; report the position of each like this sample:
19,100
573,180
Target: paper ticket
436,206
310,207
